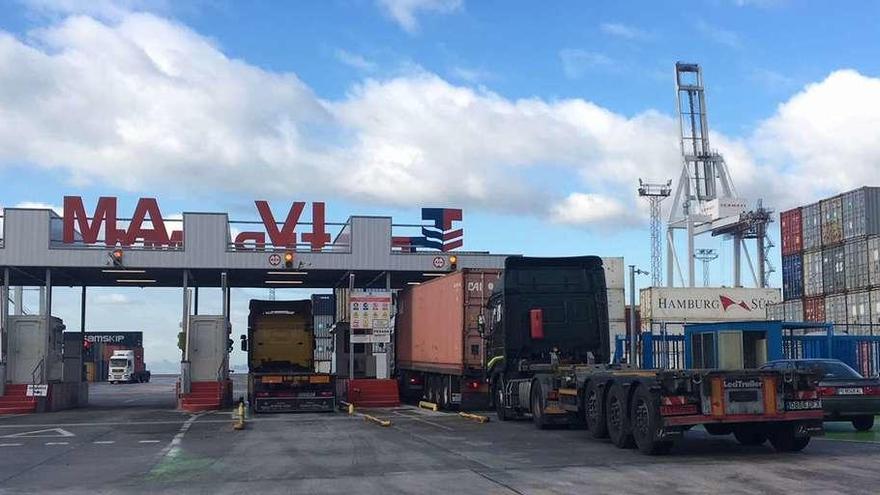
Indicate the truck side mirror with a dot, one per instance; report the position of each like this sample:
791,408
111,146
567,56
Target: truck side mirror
244,346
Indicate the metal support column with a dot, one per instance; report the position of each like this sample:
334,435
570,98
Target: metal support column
185,378
4,319
691,261
762,260
196,297
18,300
48,324
737,262
350,333
632,316
82,333
670,254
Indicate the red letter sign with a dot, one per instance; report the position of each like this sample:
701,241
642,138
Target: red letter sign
286,236
75,216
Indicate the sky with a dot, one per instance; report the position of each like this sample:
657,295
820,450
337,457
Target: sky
536,118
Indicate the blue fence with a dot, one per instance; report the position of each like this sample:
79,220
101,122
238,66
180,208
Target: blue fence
861,352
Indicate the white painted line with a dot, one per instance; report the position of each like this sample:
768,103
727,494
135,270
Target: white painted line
420,420
11,444
148,441
51,432
173,448
57,443
104,442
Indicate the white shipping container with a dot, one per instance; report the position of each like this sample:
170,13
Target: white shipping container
616,328
813,274
615,272
706,303
811,223
776,312
874,261
858,312
794,310
856,264
616,305
835,311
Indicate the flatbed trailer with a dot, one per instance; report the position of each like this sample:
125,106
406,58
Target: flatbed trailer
548,334
650,409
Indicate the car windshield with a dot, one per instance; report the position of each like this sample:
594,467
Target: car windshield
119,363
832,369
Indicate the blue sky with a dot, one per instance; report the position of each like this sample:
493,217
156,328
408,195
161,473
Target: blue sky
536,118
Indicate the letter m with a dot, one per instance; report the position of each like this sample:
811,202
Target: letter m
75,218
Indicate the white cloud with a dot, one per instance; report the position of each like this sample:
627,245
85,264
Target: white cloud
405,12
624,31
37,205
576,63
114,299
472,75
594,209
718,34
354,60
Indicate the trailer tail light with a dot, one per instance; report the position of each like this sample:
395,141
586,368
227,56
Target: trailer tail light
414,380
678,410
673,400
473,384
807,394
553,395
826,391
536,319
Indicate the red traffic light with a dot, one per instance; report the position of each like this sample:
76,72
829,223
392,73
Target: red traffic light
288,259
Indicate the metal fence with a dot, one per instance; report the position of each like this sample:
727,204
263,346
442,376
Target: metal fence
664,351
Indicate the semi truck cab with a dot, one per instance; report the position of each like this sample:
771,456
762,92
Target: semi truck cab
125,367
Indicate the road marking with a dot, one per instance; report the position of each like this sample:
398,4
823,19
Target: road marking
420,420
173,448
49,432
104,442
57,443
148,441
11,444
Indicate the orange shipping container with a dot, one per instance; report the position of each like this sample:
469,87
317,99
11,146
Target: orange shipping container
437,322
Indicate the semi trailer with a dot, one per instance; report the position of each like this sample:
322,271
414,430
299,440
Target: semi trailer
127,366
440,353
281,368
547,341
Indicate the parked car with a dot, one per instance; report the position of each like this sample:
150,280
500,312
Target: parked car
846,395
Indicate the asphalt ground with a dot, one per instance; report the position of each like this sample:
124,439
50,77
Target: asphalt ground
131,440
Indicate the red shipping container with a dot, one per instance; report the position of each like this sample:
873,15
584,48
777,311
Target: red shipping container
814,309
437,322
792,232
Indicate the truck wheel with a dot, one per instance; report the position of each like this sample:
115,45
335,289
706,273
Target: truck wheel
783,439
646,423
618,418
749,435
445,393
537,407
498,394
863,423
718,429
594,411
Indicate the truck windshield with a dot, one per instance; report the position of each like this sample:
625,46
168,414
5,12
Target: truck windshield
119,363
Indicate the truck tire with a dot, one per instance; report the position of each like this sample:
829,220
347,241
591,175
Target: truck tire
646,423
749,435
537,406
782,438
594,411
617,416
445,392
863,423
498,398
718,429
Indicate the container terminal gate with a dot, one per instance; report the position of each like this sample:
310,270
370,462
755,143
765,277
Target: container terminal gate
96,245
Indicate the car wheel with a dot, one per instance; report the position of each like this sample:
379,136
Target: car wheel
863,423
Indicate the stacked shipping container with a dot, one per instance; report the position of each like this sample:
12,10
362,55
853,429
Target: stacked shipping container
324,315
831,262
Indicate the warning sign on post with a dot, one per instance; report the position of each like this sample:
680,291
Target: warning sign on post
367,306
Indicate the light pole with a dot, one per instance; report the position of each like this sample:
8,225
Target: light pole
633,332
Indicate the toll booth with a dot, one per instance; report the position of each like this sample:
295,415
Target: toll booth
739,344
35,348
209,348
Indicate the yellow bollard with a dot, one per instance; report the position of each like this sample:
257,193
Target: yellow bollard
474,417
428,405
350,409
239,424
380,422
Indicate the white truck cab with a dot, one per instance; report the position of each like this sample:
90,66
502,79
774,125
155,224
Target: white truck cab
124,368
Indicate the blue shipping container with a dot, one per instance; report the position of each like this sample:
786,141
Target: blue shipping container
792,277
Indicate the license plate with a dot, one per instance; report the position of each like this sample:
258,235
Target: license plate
850,391
800,405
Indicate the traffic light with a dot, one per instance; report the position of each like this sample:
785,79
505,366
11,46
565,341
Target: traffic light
453,262
288,259
116,258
